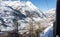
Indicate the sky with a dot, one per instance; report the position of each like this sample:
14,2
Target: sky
44,5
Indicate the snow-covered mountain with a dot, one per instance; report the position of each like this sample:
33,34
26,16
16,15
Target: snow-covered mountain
51,12
51,15
48,32
21,13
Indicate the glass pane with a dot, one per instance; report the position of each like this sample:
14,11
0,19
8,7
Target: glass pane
27,18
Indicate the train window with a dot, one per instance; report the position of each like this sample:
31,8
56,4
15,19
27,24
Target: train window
27,18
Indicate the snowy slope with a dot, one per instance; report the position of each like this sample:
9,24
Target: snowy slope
48,32
22,13
50,12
